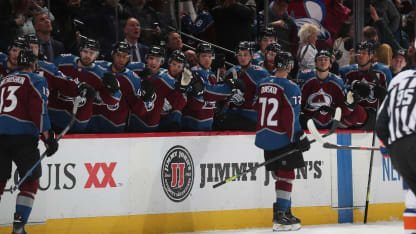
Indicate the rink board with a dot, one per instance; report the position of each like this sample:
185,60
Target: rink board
160,183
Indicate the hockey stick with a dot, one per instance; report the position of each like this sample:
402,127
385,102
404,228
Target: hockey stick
334,126
74,112
326,144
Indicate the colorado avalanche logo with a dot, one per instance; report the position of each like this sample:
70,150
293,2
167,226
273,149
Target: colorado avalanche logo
370,98
316,11
318,99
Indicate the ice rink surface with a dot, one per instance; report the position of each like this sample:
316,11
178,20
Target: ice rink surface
369,228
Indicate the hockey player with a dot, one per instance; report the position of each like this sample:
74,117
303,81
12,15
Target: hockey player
244,116
58,83
8,63
267,36
23,117
396,129
83,69
164,83
322,92
198,115
278,130
136,94
270,53
376,75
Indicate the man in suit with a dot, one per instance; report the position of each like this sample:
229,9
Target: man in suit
132,35
49,47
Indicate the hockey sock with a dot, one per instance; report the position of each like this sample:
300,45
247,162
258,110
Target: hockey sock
409,215
283,185
26,197
2,186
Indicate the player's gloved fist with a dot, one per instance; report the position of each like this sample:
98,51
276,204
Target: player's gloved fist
379,92
351,99
85,90
147,91
197,85
145,73
51,143
110,82
361,88
302,141
236,84
185,80
237,98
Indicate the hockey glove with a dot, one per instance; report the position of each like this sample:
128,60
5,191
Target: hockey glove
379,92
302,141
110,82
51,143
197,85
185,81
361,88
236,84
85,90
237,98
147,91
351,99
146,72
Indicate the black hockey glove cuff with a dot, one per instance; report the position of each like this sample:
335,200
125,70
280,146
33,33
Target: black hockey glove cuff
379,92
361,88
146,72
147,91
51,143
197,85
85,90
110,82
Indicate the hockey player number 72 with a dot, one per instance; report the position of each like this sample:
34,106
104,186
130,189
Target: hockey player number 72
11,97
270,114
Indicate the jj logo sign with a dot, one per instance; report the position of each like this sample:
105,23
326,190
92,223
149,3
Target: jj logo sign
177,173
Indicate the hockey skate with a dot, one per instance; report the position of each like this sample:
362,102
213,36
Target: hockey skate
284,220
18,224
295,221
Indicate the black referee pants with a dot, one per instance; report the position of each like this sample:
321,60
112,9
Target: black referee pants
403,158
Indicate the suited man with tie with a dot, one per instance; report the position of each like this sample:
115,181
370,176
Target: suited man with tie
132,35
49,47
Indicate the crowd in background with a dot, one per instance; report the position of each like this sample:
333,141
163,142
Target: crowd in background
147,24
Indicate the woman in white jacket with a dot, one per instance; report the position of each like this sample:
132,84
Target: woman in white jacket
308,35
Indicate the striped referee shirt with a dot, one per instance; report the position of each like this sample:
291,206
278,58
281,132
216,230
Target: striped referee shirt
397,115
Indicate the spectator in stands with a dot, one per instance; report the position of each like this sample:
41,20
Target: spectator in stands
65,28
11,18
173,42
132,34
49,47
285,26
383,51
388,12
344,43
384,34
35,7
203,26
147,16
399,62
233,22
308,35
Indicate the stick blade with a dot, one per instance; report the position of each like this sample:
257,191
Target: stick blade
338,113
314,131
